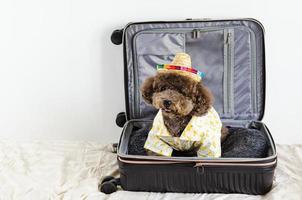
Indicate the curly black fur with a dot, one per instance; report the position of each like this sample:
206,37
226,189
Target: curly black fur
137,141
179,97
245,143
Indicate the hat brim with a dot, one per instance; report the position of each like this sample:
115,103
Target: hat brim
187,71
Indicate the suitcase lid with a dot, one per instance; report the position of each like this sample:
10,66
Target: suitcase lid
230,53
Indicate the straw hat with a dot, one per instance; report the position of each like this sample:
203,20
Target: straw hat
181,64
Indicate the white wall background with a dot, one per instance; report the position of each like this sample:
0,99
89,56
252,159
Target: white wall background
61,78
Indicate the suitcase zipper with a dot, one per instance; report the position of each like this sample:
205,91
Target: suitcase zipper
237,164
228,101
253,74
147,162
198,164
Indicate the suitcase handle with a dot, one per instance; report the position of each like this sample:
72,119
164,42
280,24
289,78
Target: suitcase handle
198,19
117,36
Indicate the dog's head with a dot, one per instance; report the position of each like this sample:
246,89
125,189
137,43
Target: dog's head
176,94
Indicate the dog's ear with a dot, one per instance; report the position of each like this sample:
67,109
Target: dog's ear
202,98
147,89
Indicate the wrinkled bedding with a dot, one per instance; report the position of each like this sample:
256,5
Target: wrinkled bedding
72,170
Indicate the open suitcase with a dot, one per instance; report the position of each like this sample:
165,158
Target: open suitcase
231,53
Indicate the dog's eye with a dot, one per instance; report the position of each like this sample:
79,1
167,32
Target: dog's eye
163,88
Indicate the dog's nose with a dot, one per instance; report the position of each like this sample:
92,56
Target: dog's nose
167,103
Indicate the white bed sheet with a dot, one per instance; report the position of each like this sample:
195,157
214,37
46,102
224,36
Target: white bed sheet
72,170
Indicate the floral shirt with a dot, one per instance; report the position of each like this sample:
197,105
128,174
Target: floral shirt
202,133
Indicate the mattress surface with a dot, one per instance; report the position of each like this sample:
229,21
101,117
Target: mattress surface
72,170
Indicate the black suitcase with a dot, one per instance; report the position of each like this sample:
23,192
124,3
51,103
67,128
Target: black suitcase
233,58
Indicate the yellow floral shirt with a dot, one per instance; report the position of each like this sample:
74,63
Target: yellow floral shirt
202,133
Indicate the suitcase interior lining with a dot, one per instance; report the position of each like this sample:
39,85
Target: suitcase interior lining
143,127
231,53
233,68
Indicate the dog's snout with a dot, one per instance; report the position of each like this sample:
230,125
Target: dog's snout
167,103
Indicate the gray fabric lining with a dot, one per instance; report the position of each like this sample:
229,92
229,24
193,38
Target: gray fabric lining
226,67
209,45
142,126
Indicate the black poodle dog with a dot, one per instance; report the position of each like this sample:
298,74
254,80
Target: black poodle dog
179,97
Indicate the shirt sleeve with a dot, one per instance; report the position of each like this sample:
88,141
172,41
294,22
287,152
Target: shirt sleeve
156,145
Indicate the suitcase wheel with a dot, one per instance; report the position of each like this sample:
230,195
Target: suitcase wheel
109,184
117,37
108,187
120,119
107,178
